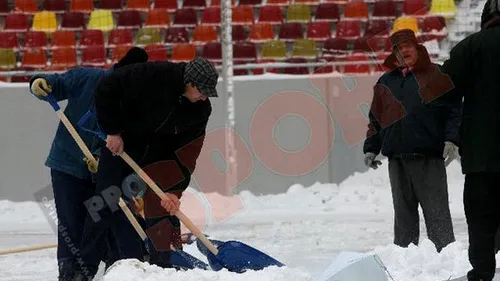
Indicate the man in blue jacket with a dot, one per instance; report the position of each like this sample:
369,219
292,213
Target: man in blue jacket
72,180
416,131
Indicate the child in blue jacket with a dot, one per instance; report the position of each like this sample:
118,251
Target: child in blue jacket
72,180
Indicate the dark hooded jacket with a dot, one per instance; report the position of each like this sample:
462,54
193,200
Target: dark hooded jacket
473,67
404,116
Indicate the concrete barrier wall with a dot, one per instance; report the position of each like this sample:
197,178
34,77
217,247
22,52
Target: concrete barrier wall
288,130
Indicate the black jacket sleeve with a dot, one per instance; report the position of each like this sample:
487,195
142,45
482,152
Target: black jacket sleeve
459,65
373,142
108,104
453,118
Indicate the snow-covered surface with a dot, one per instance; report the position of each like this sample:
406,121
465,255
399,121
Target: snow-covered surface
305,228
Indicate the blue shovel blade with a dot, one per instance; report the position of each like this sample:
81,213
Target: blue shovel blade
238,257
181,259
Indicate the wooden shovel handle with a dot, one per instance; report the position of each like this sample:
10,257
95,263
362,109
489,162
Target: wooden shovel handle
27,249
182,217
132,219
76,136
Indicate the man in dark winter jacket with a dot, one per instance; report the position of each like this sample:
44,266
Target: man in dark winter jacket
153,111
415,133
71,178
473,67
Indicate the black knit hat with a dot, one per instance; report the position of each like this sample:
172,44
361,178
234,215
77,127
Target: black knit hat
134,55
491,9
202,74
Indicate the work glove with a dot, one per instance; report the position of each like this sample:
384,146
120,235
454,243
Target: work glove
41,88
450,152
92,165
370,160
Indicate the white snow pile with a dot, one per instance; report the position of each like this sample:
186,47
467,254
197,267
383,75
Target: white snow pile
133,270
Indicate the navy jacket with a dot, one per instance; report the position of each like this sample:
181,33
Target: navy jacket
413,114
77,86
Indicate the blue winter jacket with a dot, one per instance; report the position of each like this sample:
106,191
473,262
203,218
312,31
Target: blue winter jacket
77,87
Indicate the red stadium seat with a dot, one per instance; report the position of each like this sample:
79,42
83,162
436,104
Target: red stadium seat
261,32
183,52
299,70
216,3
357,68
34,58
415,8
91,37
335,47
94,56
177,35
58,6
119,52
385,9
377,28
433,27
35,40
327,12
211,16
157,18
170,5
242,15
251,2
277,2
204,33
63,39
25,6
63,58
9,40
185,17
73,21
361,45
195,4
83,6
291,31
356,10
319,31
16,23
244,51
156,52
120,37
113,5
212,51
348,29
4,7
238,32
139,5
271,14
129,19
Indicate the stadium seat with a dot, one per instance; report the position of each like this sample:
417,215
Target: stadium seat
203,34
34,58
356,10
212,51
445,8
148,36
326,68
339,2
183,52
63,58
307,2
73,21
335,47
156,52
350,29
274,50
277,2
415,8
113,5
239,72
177,35
25,6
377,28
385,9
16,23
319,31
129,19
120,37
356,68
139,5
4,7
57,6
434,27
298,13
45,21
291,31
405,23
157,18
94,56
119,52
271,14
211,16
9,40
244,52
261,32
35,40
185,18
63,39
195,4
304,48
328,12
242,15
82,6
170,5
238,32
90,38
101,20
299,70
361,45
8,59
254,3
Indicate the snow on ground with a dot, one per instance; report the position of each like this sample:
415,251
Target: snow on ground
305,228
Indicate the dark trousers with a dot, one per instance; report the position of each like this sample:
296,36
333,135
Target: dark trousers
418,179
159,243
482,211
110,219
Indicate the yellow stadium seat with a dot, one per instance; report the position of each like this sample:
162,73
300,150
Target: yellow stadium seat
7,59
148,36
298,13
101,20
445,8
45,21
304,48
405,23
274,50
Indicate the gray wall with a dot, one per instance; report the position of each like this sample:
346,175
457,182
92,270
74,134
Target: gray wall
28,127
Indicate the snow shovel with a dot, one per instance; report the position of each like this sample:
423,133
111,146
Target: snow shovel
178,258
233,255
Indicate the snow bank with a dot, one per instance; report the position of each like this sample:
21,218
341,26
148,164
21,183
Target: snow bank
21,212
133,270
